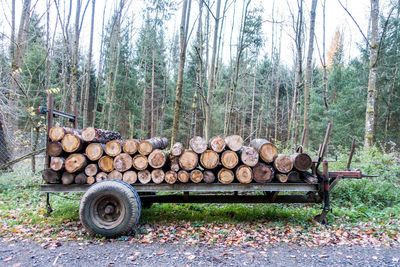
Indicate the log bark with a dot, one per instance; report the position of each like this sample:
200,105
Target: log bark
91,169
57,164
229,159
67,178
57,133
283,163
188,160
72,143
309,178
301,161
55,149
101,176
175,164
171,177
81,178
51,177
114,175
144,177
281,177
225,176
196,176
75,162
130,177
198,144
244,174
157,159
234,142
294,177
263,173
208,177
157,176
130,146
113,148
177,149
122,162
249,156
209,159
217,143
267,151
140,162
91,134
183,176
90,180
147,146
106,164
94,151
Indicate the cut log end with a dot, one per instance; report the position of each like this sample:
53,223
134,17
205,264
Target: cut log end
198,144
51,177
217,143
91,169
209,177
249,156
281,177
157,176
144,177
90,180
113,148
188,160
302,161
101,176
267,150
54,149
130,146
106,164
229,159
234,142
140,162
244,174
71,143
94,151
177,149
283,163
75,162
122,162
57,163
115,175
171,177
209,159
196,176
225,176
157,158
56,133
183,176
130,177
67,178
263,173
81,178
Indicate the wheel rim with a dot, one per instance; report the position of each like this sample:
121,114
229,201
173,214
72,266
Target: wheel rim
107,211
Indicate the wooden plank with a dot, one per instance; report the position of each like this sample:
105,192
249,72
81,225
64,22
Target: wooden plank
292,187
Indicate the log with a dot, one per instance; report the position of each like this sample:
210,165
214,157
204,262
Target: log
67,178
177,149
171,177
244,174
94,151
157,176
101,176
75,162
217,143
130,146
157,159
174,164
90,180
283,163
309,178
81,178
209,159
114,175
140,162
294,177
91,134
144,177
301,161
147,146
72,143
249,156
51,177
23,157
234,142
229,159
130,177
267,151
113,148
57,133
183,176
225,176
91,169
198,144
57,164
263,173
281,177
196,176
54,149
106,163
188,160
208,177
122,162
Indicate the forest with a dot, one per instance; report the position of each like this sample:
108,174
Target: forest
223,69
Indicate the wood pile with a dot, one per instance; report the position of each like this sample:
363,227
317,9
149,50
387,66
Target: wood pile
91,155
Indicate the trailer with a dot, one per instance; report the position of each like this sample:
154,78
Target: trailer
113,207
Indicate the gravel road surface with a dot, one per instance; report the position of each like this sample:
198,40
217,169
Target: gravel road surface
18,253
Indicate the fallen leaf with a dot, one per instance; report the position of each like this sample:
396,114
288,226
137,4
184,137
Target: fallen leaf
293,256
323,256
7,259
191,257
374,257
160,252
18,264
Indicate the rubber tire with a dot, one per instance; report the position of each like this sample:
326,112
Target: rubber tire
125,193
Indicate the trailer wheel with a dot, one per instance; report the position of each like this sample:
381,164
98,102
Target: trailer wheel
110,208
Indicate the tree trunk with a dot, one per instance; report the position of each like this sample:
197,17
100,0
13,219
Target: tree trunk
106,164
209,159
225,176
94,151
229,159
4,154
263,173
50,176
75,57
130,177
75,162
157,176
373,60
91,169
196,176
283,163
140,162
113,148
234,142
57,164
188,160
249,156
267,151
171,177
309,71
208,177
157,159
91,134
147,146
130,146
198,144
217,143
244,174
122,162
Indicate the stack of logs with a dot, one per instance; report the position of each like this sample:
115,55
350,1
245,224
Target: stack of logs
92,155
